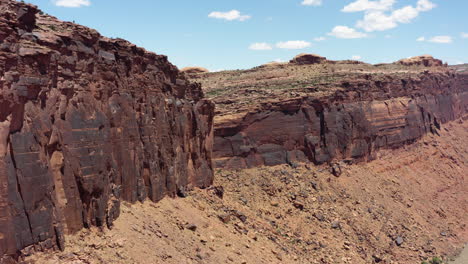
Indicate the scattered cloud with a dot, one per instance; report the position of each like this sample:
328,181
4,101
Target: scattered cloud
425,5
376,21
311,2
376,17
72,3
441,39
229,16
405,14
320,39
279,60
356,57
260,46
464,35
436,39
366,5
345,32
293,44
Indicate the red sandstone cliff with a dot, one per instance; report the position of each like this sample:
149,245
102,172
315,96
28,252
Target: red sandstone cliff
85,122
328,112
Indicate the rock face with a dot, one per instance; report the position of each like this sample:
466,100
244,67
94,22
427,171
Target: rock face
303,59
86,122
425,60
352,123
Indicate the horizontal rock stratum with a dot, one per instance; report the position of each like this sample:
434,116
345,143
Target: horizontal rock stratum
329,112
85,122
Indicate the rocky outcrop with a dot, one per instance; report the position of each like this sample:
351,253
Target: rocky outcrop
351,124
425,61
304,59
86,122
194,70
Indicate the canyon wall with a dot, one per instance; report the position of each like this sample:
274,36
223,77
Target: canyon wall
86,122
366,114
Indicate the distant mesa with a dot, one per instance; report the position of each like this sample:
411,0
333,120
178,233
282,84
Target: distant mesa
301,59
194,70
424,60
304,58
307,59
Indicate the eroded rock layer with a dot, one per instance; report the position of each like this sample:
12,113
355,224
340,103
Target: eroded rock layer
85,122
362,115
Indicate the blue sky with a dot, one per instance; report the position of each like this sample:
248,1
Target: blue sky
239,34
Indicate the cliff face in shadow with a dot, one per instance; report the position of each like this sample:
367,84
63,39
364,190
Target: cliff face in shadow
85,122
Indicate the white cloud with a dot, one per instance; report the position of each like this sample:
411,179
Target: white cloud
260,46
436,39
376,18
366,5
441,39
279,60
230,15
293,44
346,33
376,21
405,14
72,3
356,57
425,5
464,35
311,2
320,39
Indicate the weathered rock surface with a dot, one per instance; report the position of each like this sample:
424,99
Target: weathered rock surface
85,122
303,213
339,118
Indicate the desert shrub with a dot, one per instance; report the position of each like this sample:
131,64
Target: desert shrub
434,260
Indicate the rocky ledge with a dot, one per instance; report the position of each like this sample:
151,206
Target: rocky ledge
85,122
324,113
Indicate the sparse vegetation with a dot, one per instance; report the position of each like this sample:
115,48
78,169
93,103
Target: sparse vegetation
434,260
